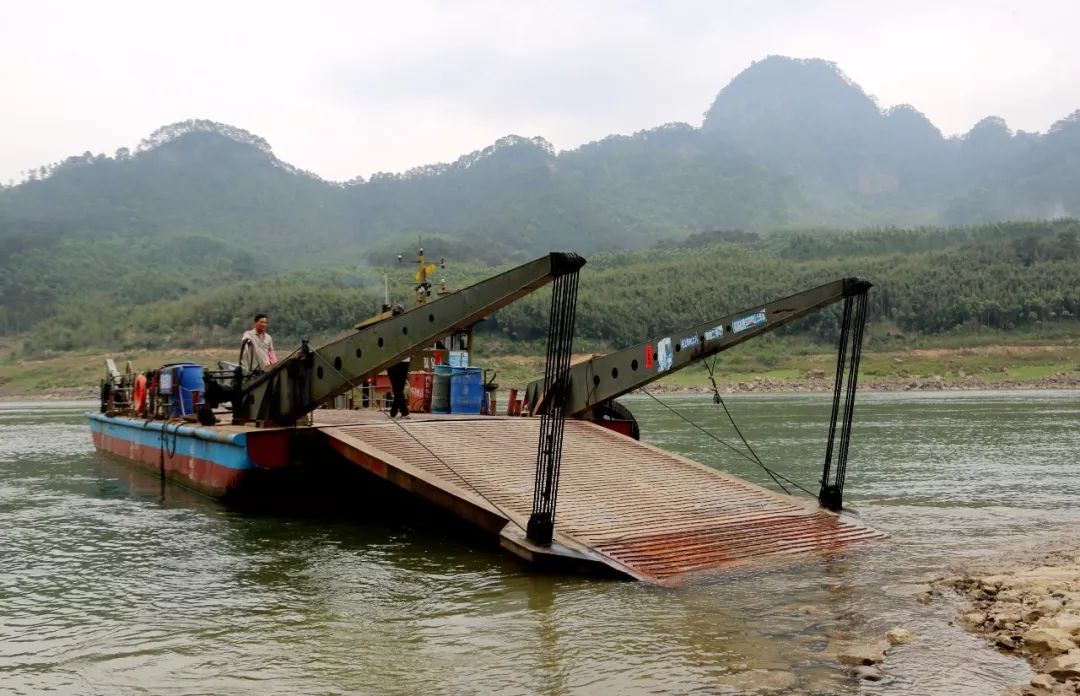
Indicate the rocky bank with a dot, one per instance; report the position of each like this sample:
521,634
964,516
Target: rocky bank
1032,611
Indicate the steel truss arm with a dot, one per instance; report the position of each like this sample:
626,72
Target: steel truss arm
298,385
606,377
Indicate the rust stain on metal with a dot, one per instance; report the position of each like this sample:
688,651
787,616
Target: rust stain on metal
643,510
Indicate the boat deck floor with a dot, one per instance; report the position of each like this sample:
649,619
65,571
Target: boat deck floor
634,508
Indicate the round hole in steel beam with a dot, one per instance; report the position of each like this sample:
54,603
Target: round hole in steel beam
596,380
729,328
614,373
701,338
318,372
633,365
380,341
431,317
337,363
677,347
359,352
404,330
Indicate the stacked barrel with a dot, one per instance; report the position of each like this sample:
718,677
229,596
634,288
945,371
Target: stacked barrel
449,387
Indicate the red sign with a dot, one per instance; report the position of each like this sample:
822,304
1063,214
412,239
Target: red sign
649,357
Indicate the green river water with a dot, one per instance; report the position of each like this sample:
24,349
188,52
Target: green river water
108,585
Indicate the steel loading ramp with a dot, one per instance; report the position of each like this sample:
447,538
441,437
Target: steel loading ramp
632,507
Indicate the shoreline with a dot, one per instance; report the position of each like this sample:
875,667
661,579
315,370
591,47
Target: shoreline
1026,603
763,385
58,394
999,366
820,386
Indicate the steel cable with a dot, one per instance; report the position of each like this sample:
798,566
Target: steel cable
439,459
772,474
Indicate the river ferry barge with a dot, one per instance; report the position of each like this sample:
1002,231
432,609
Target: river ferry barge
624,506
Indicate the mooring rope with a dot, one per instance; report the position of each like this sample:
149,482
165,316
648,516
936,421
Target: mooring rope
772,474
720,400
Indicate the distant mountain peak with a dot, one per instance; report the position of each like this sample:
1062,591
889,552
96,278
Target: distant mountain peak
182,131
174,131
993,126
513,141
905,119
780,89
507,144
906,112
1070,122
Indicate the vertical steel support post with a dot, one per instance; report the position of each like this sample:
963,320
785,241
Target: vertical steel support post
831,494
541,527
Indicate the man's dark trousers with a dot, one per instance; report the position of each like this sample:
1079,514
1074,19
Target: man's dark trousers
398,375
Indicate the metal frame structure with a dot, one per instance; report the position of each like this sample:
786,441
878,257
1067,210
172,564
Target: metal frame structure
602,378
541,527
313,376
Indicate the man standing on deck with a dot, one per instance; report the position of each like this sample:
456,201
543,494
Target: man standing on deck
398,374
256,347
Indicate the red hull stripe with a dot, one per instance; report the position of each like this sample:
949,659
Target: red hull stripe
201,474
211,461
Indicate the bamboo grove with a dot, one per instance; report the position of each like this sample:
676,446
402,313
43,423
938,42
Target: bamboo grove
1008,277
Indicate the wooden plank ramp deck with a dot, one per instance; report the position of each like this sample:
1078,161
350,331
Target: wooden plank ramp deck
622,504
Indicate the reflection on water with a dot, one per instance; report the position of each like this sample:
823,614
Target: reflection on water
110,584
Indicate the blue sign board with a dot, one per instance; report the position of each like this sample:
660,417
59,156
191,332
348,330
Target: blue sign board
748,322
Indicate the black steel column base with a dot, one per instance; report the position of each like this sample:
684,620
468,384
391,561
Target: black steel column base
831,498
541,529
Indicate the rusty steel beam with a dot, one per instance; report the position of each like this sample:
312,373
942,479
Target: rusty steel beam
602,378
312,377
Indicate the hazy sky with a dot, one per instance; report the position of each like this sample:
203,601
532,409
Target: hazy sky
351,88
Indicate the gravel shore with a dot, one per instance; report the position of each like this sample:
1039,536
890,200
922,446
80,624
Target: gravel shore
1029,607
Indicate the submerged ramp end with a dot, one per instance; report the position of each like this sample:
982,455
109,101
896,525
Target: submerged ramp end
624,505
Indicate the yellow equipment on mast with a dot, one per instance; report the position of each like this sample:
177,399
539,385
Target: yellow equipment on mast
423,271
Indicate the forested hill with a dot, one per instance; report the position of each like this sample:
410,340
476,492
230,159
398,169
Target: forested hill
1003,277
788,144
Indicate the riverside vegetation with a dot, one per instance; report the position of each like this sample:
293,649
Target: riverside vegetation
988,360
1001,278
993,305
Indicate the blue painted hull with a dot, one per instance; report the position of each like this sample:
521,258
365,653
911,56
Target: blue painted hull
215,461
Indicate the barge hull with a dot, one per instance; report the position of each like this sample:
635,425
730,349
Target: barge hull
219,462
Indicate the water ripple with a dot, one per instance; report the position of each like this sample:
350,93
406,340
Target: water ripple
108,587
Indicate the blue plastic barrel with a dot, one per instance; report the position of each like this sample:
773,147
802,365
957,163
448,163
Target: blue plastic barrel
188,379
466,390
440,389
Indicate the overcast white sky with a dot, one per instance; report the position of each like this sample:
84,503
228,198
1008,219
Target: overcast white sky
351,88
